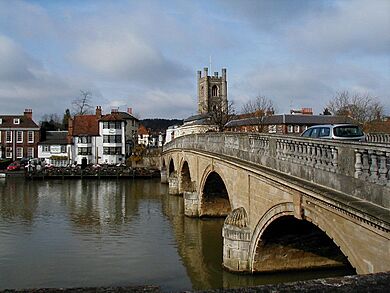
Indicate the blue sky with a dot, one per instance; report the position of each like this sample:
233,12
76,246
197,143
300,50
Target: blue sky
145,54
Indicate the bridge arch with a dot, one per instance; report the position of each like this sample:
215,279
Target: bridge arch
215,199
185,183
171,169
283,215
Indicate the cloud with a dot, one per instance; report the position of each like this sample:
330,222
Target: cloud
127,58
349,27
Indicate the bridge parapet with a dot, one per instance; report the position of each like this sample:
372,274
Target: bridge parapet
355,169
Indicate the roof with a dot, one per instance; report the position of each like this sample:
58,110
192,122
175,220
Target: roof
291,119
112,117
142,130
127,116
25,122
55,138
378,127
85,125
196,117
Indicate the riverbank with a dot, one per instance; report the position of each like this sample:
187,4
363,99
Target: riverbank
88,172
358,283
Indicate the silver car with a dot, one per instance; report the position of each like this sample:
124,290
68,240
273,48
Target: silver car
336,131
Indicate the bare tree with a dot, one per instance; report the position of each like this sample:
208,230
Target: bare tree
258,107
82,104
222,115
361,107
51,122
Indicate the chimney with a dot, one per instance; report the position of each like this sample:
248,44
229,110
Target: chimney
70,130
99,111
28,113
216,73
130,111
199,74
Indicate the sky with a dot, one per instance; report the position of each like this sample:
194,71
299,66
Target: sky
145,54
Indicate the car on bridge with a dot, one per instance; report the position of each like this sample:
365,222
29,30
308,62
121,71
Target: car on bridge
349,132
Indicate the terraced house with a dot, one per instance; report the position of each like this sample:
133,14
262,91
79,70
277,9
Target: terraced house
19,136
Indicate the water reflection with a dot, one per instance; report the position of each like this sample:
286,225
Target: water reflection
108,233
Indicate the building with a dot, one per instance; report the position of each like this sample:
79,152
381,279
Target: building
55,149
171,133
113,129
19,136
212,98
83,132
143,136
212,92
131,128
293,124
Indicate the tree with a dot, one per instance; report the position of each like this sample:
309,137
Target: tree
361,107
51,122
326,112
82,104
219,116
258,107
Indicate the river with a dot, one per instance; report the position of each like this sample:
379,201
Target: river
75,233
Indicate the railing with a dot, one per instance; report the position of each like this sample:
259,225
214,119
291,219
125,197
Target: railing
378,137
358,169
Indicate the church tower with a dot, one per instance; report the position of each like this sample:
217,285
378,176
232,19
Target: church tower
212,92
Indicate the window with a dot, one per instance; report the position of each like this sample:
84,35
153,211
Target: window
30,152
112,138
16,121
296,128
19,136
272,129
1,120
8,152
0,135
45,148
112,150
30,135
8,136
105,125
63,149
214,91
19,152
290,128
324,131
84,151
84,139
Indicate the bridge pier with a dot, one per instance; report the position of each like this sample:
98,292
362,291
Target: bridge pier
236,241
164,176
173,184
191,203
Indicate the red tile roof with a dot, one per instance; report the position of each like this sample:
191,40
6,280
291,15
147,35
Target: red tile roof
112,117
85,125
142,130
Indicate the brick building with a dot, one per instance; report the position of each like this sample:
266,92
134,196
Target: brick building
19,136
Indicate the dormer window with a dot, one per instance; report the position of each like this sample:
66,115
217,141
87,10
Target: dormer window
1,120
16,121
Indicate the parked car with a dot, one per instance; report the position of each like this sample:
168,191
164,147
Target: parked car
14,166
336,131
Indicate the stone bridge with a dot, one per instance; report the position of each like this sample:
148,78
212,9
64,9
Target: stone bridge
290,202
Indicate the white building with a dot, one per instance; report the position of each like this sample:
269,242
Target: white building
54,148
112,127
171,133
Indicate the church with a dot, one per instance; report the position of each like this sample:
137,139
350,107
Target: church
212,99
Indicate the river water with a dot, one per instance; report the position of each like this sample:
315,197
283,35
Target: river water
76,233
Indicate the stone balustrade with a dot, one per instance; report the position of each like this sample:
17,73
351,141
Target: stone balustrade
378,137
353,168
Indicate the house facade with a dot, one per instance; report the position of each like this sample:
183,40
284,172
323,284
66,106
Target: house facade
19,136
112,128
54,148
291,124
